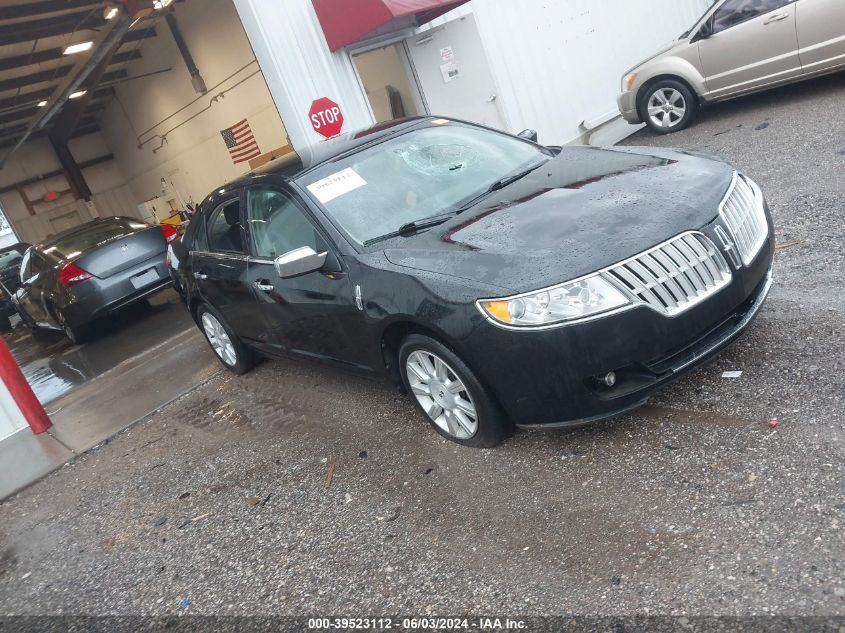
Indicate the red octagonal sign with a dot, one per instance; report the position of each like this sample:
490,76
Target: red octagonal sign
326,117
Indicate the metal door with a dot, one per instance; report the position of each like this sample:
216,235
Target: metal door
821,34
454,73
753,44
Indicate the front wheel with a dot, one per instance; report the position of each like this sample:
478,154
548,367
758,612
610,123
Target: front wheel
449,395
234,355
667,106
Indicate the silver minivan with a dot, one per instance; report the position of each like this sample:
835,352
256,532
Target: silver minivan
737,47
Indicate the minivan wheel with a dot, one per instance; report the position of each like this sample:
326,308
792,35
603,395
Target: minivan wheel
449,395
230,351
667,106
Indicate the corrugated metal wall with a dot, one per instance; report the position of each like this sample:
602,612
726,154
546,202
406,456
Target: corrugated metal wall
560,62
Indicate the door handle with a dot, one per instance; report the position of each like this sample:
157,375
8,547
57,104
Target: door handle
492,98
200,276
776,18
264,285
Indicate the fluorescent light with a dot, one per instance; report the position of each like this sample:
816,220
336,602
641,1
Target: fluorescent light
77,94
78,48
161,4
41,104
110,13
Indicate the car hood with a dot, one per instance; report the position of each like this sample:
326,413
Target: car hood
582,211
665,48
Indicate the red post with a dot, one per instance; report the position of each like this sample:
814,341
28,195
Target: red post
17,385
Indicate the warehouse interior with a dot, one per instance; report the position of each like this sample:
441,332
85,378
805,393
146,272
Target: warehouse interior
118,109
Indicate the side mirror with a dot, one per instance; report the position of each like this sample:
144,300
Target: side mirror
529,135
299,262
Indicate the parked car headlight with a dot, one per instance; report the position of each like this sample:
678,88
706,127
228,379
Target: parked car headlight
566,302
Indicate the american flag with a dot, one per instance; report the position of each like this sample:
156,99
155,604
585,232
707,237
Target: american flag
240,141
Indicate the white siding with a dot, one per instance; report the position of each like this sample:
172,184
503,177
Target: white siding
290,47
558,63
11,418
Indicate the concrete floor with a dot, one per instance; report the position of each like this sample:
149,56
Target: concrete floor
138,360
217,503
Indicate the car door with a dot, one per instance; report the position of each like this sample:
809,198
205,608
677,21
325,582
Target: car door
219,268
753,43
314,314
34,273
821,34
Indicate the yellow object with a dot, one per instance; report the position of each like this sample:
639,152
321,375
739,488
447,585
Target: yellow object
498,310
630,79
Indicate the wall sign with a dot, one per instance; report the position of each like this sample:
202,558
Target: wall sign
326,117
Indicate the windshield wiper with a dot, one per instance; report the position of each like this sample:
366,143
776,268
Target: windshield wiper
410,228
499,184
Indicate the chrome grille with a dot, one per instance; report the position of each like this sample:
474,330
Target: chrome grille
675,275
743,215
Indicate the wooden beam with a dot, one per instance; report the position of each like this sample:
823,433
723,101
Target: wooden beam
34,97
49,27
53,54
86,126
31,181
35,78
34,9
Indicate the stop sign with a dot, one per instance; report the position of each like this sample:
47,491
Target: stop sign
326,117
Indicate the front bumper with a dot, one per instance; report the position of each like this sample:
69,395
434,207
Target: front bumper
627,103
549,378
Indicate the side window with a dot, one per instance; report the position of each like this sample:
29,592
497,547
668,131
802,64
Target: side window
196,238
735,12
224,228
277,225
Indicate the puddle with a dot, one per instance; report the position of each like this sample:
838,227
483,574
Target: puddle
54,367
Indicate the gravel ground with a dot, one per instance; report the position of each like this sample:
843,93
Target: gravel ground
689,506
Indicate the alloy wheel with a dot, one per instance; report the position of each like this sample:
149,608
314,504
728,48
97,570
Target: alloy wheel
442,394
667,108
219,339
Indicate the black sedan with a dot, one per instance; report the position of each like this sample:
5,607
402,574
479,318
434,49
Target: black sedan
10,266
498,281
90,271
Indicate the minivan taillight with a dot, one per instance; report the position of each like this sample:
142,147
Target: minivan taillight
170,232
71,274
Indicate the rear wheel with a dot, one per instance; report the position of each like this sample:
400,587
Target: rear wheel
667,106
77,334
449,395
234,355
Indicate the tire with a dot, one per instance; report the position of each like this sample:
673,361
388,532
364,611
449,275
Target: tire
230,351
425,364
667,106
76,334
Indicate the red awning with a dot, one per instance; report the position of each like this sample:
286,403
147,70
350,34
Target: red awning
345,22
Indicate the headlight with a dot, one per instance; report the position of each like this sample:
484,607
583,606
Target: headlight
628,82
567,302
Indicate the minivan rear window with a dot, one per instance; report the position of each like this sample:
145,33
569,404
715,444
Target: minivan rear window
90,236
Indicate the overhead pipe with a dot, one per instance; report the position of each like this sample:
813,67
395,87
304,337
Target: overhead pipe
196,79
